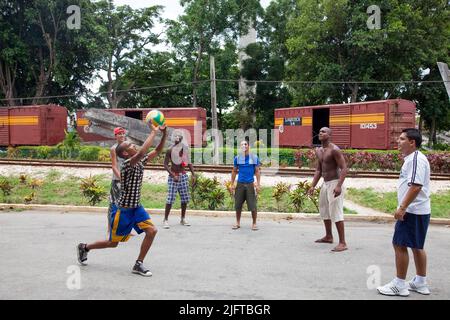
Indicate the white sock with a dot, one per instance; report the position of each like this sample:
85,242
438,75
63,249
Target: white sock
401,283
420,280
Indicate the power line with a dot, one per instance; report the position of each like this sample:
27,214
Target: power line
106,92
337,82
174,85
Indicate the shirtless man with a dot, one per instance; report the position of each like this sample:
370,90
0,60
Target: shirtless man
178,158
332,167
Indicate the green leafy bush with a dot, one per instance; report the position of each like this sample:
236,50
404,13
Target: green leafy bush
89,153
279,191
92,191
5,186
207,191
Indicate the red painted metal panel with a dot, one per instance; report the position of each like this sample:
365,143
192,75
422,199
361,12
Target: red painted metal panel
293,126
25,126
401,115
340,119
53,130
4,126
35,125
369,125
365,125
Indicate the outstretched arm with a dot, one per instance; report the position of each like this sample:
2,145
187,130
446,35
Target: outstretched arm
147,144
160,146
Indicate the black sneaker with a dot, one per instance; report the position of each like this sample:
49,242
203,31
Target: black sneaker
140,269
82,254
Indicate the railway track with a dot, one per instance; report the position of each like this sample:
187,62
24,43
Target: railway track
289,171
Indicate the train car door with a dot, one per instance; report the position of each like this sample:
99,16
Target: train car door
340,123
134,114
320,119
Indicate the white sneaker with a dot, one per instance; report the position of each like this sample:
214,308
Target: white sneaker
185,223
166,224
419,288
391,289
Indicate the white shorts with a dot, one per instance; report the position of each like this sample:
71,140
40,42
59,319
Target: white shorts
331,207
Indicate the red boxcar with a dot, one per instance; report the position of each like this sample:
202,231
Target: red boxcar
191,119
32,125
362,125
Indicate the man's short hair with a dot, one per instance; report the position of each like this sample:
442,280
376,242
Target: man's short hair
121,148
413,134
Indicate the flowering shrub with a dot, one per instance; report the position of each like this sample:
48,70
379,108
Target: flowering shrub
390,160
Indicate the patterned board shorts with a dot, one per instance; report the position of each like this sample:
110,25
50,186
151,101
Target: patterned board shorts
182,187
114,195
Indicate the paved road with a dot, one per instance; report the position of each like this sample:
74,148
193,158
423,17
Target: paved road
205,261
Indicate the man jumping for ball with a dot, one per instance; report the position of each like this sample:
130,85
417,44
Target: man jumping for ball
130,213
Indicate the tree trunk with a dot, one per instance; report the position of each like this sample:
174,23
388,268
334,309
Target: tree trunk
7,80
432,136
45,76
196,70
41,81
109,94
354,95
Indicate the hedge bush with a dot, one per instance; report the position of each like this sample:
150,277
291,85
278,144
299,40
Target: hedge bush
390,160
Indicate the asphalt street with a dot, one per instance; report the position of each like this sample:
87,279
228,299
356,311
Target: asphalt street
206,261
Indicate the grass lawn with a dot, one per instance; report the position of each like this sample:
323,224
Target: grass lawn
387,202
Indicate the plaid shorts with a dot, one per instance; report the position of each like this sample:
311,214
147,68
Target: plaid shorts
182,186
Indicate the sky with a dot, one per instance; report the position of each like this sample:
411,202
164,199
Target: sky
172,8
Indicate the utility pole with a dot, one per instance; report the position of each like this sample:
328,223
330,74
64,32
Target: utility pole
215,126
445,73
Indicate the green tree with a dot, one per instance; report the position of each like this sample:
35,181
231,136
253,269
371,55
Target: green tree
205,25
128,33
330,41
40,56
432,103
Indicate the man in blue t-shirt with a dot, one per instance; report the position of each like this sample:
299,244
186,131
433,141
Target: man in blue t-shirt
247,165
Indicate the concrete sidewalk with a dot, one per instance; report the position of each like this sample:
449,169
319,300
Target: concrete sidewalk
205,261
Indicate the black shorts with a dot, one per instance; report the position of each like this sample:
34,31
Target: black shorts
412,231
245,192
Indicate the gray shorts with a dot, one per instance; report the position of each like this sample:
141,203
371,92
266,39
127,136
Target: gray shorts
245,192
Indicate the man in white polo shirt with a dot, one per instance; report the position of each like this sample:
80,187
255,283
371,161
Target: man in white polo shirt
412,215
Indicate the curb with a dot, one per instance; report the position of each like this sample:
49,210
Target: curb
207,213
